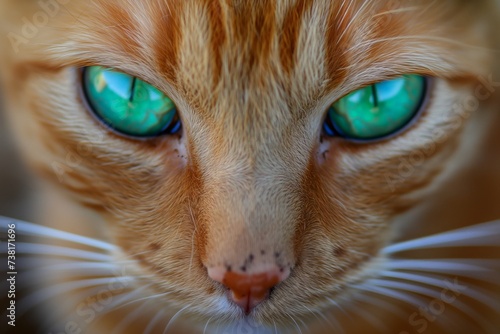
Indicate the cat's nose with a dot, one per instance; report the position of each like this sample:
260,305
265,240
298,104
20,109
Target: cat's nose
248,290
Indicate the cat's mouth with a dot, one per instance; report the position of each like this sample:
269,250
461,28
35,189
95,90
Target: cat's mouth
379,279
414,282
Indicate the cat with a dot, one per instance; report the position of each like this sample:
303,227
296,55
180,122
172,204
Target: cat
261,205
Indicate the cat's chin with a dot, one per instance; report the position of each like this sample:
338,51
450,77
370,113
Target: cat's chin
246,325
252,323
271,317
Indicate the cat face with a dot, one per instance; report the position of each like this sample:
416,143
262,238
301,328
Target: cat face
251,180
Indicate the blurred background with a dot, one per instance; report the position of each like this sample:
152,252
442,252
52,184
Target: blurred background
16,190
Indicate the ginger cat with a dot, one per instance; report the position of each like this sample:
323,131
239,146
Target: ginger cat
254,166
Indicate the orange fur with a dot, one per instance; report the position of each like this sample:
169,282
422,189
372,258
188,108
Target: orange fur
250,173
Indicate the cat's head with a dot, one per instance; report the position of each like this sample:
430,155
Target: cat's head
252,182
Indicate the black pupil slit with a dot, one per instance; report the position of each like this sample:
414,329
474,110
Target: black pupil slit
134,80
375,97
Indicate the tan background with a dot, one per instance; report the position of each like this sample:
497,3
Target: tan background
15,185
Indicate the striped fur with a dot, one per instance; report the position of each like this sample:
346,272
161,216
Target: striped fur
251,172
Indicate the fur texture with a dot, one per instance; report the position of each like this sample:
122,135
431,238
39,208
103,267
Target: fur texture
251,173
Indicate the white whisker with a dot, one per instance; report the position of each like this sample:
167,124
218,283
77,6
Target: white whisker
295,322
67,306
52,291
206,325
380,303
72,269
324,318
337,305
478,318
145,298
404,297
481,269
30,229
125,298
33,262
58,251
152,323
121,326
440,283
487,234
397,295
177,315
316,313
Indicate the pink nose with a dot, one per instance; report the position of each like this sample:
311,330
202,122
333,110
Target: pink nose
248,290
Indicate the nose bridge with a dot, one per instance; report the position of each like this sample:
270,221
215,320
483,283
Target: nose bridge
249,205
250,213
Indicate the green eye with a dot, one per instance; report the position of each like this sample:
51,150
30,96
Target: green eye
127,104
377,111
